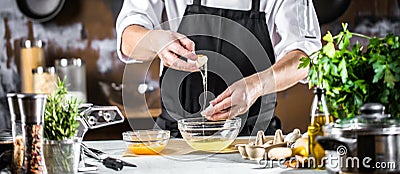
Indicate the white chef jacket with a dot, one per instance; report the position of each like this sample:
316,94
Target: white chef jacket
292,24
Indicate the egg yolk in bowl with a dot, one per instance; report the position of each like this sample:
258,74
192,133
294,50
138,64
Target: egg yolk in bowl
147,148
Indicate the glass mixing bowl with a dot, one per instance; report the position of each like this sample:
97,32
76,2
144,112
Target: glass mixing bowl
212,136
146,142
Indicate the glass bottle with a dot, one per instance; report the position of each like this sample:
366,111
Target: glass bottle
320,117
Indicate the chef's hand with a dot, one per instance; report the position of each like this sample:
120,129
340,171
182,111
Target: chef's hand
235,100
144,45
170,45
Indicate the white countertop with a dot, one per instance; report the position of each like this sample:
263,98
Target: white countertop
191,163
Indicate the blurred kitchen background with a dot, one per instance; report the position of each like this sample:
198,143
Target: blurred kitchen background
86,29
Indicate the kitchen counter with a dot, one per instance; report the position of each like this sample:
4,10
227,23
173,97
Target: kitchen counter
197,162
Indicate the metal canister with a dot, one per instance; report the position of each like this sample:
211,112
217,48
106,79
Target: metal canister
32,107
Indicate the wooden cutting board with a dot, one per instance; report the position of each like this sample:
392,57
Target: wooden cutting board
180,147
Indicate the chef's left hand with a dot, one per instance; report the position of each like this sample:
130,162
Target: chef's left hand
235,100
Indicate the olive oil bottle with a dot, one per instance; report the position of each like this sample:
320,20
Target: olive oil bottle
320,117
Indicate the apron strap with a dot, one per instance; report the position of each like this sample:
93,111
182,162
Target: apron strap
255,5
196,2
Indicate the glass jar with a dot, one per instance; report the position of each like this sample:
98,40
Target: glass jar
32,107
44,80
32,56
18,133
73,71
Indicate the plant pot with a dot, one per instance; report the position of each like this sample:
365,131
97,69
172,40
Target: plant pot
62,156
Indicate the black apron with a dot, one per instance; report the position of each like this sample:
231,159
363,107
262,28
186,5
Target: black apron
237,45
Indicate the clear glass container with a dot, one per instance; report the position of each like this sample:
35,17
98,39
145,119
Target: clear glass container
212,136
32,56
73,71
44,80
68,162
146,142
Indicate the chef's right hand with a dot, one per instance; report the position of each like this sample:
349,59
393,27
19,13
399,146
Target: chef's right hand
170,46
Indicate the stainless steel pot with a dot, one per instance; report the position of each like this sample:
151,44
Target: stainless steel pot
368,143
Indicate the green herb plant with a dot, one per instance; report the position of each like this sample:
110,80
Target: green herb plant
354,74
61,114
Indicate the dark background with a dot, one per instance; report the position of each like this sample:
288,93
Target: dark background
86,29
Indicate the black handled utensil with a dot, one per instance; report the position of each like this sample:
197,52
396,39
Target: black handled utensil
116,164
109,162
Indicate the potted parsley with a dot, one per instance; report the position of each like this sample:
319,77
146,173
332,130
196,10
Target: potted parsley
61,147
353,74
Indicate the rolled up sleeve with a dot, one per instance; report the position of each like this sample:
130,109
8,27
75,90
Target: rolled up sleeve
146,13
297,27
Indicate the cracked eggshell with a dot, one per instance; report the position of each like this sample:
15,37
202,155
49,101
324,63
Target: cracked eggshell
201,60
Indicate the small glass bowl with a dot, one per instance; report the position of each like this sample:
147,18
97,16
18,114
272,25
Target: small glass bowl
146,142
212,136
